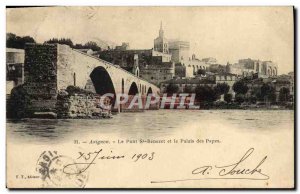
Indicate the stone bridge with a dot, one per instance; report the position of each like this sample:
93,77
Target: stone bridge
50,68
88,72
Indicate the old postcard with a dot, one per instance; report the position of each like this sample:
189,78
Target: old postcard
150,97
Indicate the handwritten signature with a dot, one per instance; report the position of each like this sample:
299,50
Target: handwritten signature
236,170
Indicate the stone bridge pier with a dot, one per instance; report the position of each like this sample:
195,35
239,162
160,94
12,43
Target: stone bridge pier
51,68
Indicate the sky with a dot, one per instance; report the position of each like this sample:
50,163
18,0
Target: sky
225,33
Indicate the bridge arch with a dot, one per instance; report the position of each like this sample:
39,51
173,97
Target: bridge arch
102,81
133,90
149,91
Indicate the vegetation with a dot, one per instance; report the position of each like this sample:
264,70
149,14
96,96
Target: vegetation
284,94
89,45
67,41
267,93
206,94
240,87
14,41
17,102
172,88
239,98
201,72
221,88
188,89
228,97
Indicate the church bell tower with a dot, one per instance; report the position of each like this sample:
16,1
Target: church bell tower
161,43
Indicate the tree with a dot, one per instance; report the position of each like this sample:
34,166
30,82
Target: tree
18,101
228,97
92,45
13,41
66,41
240,87
79,46
172,88
252,99
221,88
205,94
188,89
267,92
239,98
89,45
284,94
201,72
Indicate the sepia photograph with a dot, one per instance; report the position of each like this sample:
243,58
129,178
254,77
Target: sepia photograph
156,97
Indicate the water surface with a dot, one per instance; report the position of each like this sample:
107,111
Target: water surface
149,124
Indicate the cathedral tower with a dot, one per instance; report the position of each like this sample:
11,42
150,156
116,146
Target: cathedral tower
161,43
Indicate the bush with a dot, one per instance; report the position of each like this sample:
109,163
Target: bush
221,88
17,102
228,97
252,99
172,89
206,94
13,41
284,94
268,92
239,98
188,89
201,72
240,87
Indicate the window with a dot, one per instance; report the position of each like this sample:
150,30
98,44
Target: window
165,78
152,78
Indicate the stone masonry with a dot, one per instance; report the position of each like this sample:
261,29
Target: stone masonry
50,68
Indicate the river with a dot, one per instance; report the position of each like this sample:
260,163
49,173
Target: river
150,124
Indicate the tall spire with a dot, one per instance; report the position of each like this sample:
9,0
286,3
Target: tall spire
161,31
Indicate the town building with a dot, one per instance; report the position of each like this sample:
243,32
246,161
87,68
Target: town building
161,43
185,84
210,60
158,73
227,78
277,82
186,66
125,46
179,50
154,66
218,68
14,68
159,59
190,84
190,67
248,67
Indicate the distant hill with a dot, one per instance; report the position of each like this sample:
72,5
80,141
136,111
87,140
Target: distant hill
104,44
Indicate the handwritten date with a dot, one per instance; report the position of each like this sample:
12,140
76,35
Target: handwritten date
86,159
